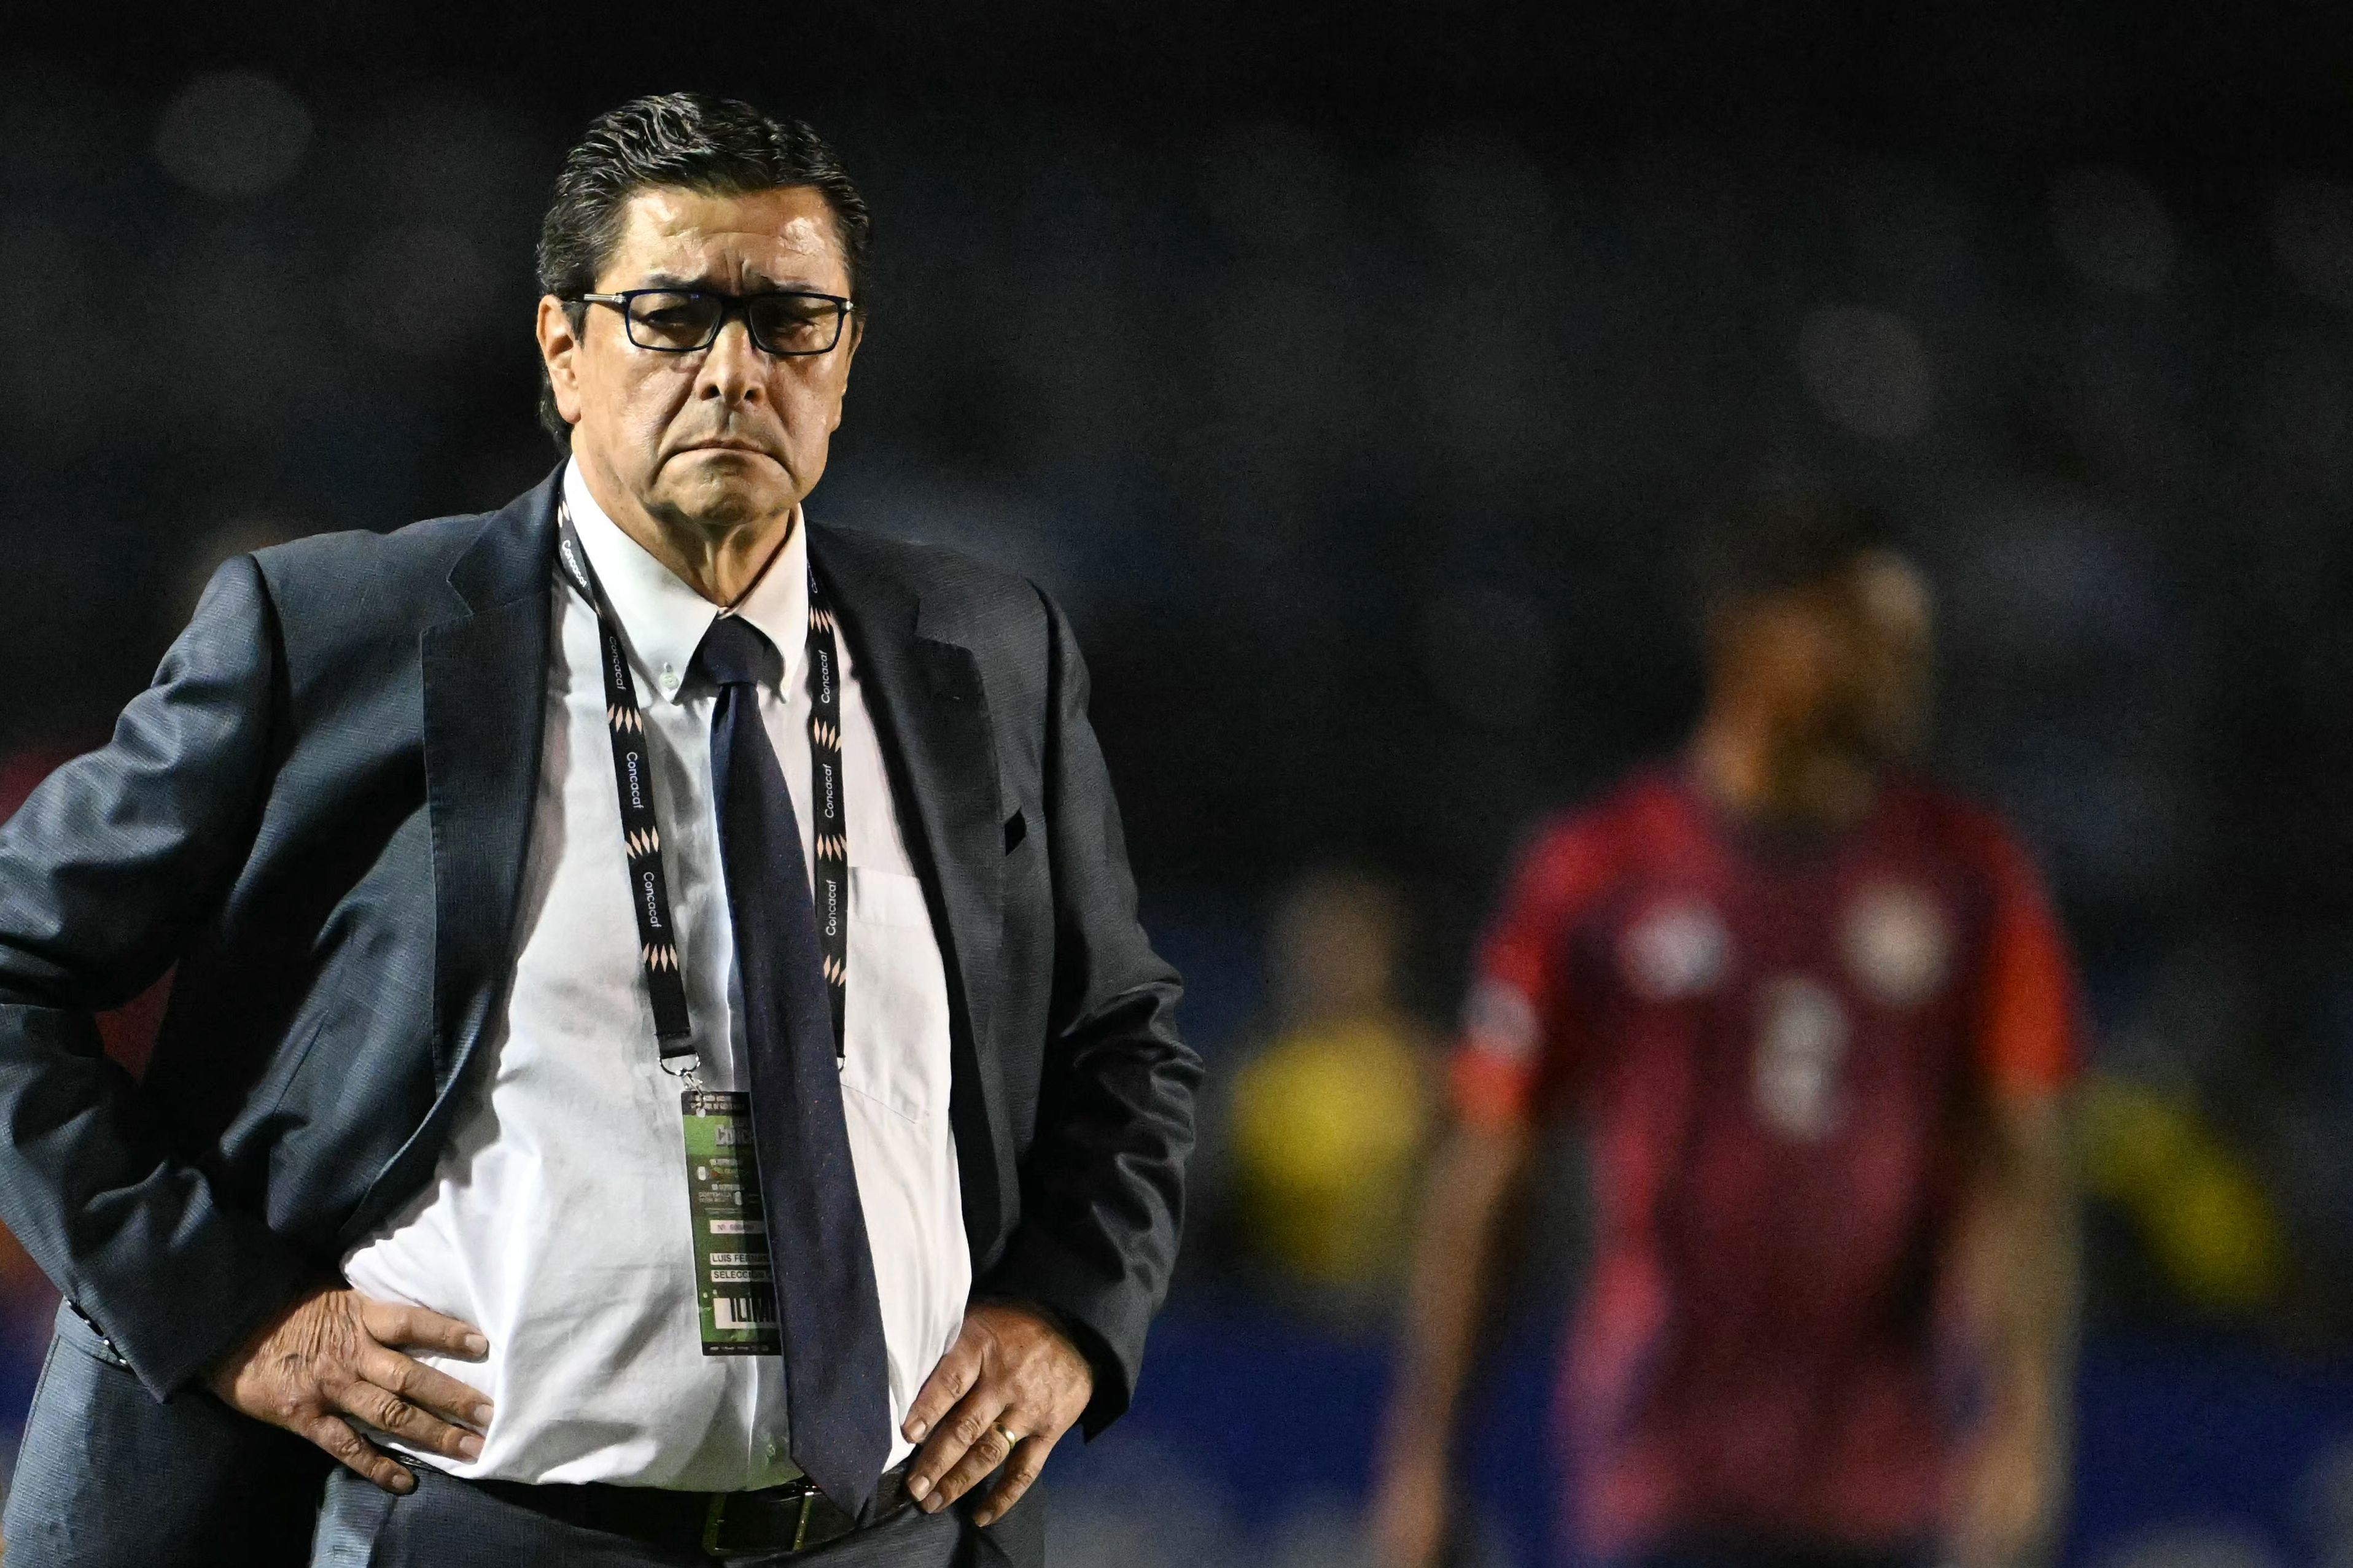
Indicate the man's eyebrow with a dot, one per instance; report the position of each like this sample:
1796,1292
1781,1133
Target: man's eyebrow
705,283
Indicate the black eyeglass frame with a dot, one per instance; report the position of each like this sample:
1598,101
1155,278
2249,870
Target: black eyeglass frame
730,307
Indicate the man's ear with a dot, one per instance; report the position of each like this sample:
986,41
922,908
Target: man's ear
558,341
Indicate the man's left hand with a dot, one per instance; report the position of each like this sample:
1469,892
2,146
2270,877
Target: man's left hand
1004,1395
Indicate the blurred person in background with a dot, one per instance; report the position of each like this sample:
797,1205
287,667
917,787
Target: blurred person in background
527,871
28,1302
1328,1120
1818,1019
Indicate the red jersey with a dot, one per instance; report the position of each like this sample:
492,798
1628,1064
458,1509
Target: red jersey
1778,1044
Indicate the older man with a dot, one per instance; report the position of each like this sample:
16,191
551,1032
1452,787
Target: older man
663,1062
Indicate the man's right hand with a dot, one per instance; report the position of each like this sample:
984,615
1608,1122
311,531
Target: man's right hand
1409,1512
1467,1213
332,1355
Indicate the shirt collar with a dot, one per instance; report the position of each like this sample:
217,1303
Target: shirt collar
662,619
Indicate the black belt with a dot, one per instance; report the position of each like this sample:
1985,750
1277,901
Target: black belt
795,1517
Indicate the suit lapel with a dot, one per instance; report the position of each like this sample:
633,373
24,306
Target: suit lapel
485,675
931,714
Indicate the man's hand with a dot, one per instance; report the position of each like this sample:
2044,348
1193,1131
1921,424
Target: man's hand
2019,1257
1409,1513
331,1355
1470,1217
1010,1385
2010,1491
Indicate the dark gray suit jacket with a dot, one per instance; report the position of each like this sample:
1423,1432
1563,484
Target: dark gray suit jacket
319,813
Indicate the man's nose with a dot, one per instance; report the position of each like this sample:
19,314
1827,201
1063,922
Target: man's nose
733,368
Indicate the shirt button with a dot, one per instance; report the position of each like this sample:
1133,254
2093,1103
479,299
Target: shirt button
773,1448
669,679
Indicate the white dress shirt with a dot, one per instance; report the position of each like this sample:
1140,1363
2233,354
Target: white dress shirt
556,1222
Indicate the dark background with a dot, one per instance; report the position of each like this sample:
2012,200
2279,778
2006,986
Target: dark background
1359,377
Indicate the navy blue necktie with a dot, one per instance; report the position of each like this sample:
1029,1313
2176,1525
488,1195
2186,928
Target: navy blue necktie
837,1374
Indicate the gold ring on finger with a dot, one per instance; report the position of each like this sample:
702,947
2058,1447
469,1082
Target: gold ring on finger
1012,1439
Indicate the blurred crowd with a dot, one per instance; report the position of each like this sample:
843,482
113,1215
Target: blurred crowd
1367,467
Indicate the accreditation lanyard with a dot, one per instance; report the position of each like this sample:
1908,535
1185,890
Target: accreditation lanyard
633,780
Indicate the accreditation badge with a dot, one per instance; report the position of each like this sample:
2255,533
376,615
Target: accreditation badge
734,1285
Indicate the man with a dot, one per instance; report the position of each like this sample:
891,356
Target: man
662,1064
1816,1015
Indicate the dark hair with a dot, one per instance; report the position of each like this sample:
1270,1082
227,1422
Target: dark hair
689,141
1782,540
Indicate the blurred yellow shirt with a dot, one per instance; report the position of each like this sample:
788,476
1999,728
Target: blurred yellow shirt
1328,1128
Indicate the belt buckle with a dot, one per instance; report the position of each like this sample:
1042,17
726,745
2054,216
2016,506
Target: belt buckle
715,1517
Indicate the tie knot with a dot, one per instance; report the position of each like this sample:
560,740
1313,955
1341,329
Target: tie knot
734,653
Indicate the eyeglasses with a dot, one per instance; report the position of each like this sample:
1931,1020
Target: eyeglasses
681,321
